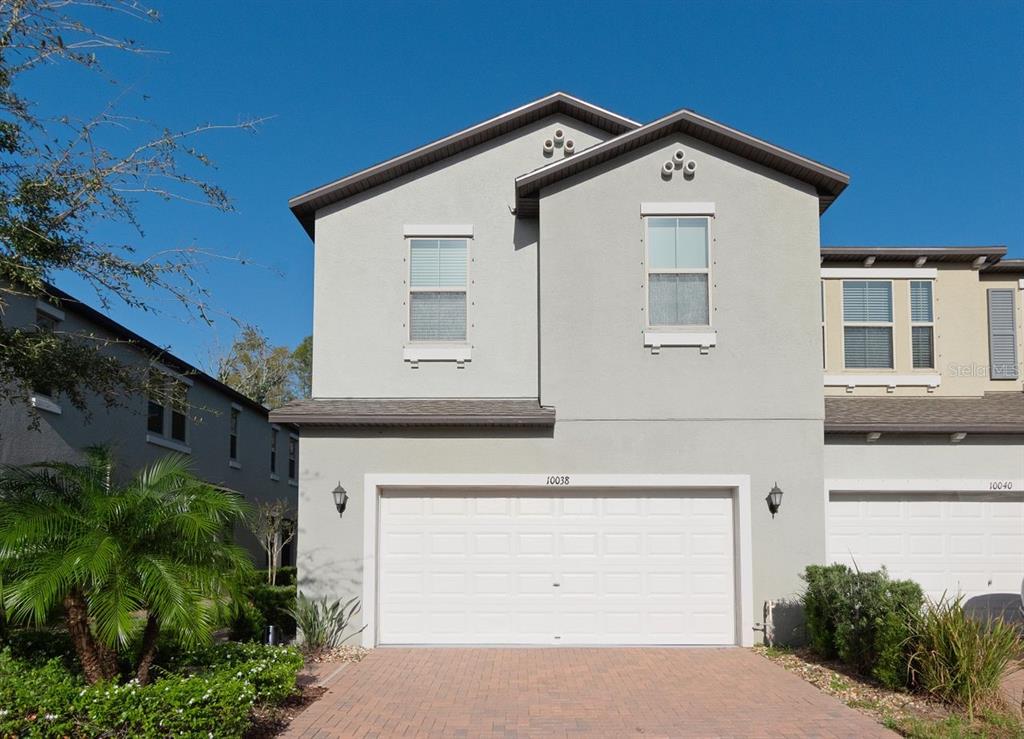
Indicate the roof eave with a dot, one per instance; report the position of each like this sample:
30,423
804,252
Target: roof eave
301,419
924,428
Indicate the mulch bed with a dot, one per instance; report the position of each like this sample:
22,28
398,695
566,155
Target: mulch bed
856,691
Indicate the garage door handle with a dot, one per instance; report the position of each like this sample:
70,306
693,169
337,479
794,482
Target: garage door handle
556,585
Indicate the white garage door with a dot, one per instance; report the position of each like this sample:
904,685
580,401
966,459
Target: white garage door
968,544
587,568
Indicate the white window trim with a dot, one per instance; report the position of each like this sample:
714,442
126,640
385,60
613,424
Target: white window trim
684,328
739,485
869,273
464,231
891,325
444,351
851,380
46,403
177,446
824,328
914,324
275,477
677,209
53,312
234,464
426,352
680,338
293,480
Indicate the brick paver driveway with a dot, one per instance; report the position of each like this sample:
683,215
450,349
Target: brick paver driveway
568,692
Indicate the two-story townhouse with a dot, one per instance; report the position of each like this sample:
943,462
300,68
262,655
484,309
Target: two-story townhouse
565,363
226,436
924,416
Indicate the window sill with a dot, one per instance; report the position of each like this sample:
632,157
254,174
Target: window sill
235,465
168,443
703,339
47,404
293,483
852,380
274,477
437,353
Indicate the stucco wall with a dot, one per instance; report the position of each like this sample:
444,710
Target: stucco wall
331,548
902,457
961,332
360,284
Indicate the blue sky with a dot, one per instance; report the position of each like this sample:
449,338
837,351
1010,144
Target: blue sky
922,103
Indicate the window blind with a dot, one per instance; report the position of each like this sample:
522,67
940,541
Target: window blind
868,301
437,316
437,263
868,347
921,301
922,347
678,299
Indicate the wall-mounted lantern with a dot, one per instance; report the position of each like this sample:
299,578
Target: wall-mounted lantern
774,499
340,499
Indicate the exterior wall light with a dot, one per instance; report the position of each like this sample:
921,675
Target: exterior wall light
340,499
774,499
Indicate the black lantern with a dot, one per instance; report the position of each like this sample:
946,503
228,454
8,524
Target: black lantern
340,499
774,499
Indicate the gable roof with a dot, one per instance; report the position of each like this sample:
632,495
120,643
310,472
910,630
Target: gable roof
304,206
828,182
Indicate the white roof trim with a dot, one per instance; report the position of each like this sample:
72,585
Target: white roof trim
870,273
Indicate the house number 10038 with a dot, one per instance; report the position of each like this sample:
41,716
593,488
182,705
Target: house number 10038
558,480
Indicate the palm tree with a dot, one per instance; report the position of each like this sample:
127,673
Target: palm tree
124,562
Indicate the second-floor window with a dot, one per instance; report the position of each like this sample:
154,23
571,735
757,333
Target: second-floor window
678,272
167,414
233,432
922,326
273,451
48,324
437,289
867,324
293,458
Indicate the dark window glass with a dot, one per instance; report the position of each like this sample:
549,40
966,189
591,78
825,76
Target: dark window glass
273,451
233,441
293,451
44,322
179,411
155,422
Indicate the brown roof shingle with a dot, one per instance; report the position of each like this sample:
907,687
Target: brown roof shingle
992,413
415,412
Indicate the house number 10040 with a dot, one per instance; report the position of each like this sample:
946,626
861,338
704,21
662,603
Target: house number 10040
1000,485
558,480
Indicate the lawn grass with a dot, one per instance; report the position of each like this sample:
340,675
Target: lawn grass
987,724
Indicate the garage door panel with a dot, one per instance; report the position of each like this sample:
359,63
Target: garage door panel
966,544
630,568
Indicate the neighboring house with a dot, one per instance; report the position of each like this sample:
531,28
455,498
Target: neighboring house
561,358
226,436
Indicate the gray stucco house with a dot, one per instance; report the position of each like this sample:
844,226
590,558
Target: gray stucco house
562,357
227,437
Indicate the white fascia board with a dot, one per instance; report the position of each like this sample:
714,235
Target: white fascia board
916,485
680,338
870,273
738,484
852,380
415,353
677,209
50,310
460,230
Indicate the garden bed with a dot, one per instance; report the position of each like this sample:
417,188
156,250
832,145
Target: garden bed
908,714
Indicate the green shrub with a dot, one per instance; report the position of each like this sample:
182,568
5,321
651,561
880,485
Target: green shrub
203,692
323,623
863,619
958,659
821,599
264,605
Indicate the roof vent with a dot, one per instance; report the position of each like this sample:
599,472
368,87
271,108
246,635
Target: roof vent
570,147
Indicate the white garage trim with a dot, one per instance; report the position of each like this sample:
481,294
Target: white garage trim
738,485
915,485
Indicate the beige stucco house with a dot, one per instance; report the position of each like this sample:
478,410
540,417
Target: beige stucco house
561,358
